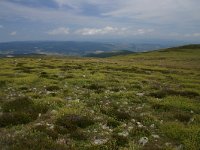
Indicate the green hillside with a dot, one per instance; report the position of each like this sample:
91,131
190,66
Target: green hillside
147,101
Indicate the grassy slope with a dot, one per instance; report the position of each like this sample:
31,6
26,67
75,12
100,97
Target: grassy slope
83,103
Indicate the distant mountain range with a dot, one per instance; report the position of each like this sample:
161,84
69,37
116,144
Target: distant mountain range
73,48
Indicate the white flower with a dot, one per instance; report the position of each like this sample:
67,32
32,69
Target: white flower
143,141
38,124
51,127
125,103
53,112
168,144
133,120
123,125
138,108
140,94
100,141
130,128
39,115
105,127
124,133
140,126
61,141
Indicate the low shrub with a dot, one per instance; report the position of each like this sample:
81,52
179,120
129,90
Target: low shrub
20,111
182,116
9,119
52,88
73,121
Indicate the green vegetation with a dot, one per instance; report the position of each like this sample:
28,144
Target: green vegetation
139,101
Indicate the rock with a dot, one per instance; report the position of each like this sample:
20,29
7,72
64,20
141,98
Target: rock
180,147
100,141
61,141
155,136
130,128
140,126
191,120
51,127
105,127
143,141
53,112
140,94
133,120
124,133
138,108
168,144
38,124
152,126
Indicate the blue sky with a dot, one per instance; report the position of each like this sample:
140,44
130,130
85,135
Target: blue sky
22,20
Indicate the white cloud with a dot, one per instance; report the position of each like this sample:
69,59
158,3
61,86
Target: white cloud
13,33
59,31
101,31
192,35
157,11
44,15
143,31
139,17
78,3
196,34
61,2
185,35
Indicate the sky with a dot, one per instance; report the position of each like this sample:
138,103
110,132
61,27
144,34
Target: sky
64,20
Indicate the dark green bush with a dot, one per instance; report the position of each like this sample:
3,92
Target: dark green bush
2,84
52,88
182,116
120,140
24,88
34,141
161,107
78,135
44,74
43,128
20,104
73,121
169,92
20,111
98,88
8,119
113,123
120,115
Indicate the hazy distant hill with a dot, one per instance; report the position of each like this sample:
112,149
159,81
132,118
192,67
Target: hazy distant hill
71,47
109,54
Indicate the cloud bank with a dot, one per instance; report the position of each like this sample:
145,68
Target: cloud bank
128,18
59,31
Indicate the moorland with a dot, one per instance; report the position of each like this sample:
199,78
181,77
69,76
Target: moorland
146,101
